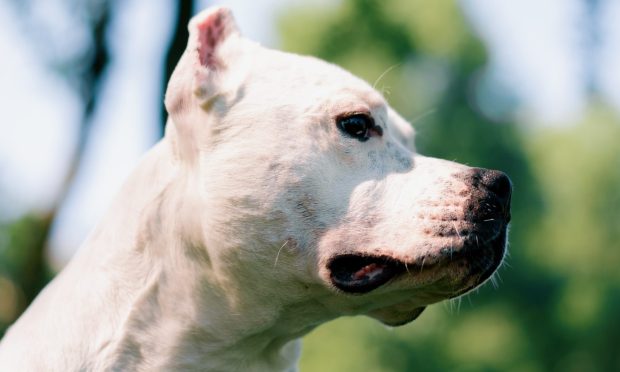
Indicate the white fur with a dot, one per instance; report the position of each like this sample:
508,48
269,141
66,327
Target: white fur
213,256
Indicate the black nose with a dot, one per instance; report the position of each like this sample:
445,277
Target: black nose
496,183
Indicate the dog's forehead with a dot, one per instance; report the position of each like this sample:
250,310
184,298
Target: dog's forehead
313,79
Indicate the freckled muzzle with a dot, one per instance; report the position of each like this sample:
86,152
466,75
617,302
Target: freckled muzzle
467,250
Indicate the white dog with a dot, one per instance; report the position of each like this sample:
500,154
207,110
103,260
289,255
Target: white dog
285,193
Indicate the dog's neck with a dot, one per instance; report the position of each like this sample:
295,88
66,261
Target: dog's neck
151,289
180,312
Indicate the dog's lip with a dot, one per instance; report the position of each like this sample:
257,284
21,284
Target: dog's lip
359,274
355,273
498,248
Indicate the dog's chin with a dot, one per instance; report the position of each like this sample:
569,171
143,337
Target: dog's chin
396,316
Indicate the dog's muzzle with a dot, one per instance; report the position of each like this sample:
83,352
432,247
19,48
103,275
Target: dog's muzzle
467,251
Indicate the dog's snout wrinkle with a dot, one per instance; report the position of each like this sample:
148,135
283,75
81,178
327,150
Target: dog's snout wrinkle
464,228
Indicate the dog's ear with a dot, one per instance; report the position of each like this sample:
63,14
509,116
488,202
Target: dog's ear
196,80
198,69
208,30
207,33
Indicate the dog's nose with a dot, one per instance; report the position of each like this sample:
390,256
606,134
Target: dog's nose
497,184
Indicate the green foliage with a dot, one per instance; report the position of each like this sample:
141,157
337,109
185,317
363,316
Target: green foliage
557,302
23,271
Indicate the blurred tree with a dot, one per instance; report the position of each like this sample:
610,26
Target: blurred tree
22,256
184,11
560,291
23,268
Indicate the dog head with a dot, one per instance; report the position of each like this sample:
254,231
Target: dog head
306,181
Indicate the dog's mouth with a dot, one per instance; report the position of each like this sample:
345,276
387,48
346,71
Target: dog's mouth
456,269
352,273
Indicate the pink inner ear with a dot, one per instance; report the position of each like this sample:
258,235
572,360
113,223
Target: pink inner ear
212,30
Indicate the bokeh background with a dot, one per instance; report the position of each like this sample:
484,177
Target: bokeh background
529,87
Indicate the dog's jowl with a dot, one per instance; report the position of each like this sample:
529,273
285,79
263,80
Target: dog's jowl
285,193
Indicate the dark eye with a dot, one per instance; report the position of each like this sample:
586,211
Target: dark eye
356,126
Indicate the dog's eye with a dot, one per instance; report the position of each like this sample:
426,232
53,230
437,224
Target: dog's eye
356,126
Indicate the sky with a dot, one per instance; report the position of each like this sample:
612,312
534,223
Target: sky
544,46
536,49
534,46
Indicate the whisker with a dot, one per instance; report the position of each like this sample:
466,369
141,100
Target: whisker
498,277
374,86
278,255
493,281
423,115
